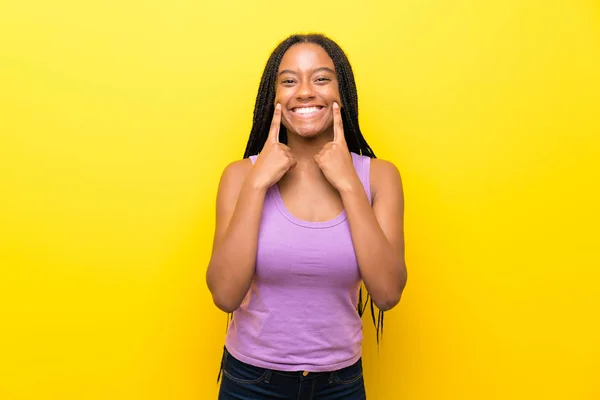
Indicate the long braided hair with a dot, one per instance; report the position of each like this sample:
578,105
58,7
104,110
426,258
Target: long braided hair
264,109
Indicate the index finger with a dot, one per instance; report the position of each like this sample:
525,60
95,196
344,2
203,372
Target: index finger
275,124
338,125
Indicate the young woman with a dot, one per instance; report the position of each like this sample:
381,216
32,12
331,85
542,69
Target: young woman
303,219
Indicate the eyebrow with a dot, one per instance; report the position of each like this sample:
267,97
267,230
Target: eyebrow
289,71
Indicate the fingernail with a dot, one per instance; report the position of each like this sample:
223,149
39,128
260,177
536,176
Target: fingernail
335,104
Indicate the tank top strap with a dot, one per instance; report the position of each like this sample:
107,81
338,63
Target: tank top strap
362,164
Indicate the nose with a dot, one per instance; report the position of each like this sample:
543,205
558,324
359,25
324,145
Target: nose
305,90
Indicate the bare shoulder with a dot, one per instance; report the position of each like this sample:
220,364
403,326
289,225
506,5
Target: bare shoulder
235,172
385,178
380,166
231,182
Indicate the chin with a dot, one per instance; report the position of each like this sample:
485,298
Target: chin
308,127
307,131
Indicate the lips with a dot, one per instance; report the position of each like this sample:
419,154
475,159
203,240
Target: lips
307,111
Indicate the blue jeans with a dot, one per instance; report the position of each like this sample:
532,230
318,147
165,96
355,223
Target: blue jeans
242,381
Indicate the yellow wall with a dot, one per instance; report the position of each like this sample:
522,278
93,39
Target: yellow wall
117,117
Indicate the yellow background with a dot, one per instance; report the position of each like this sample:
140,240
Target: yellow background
117,117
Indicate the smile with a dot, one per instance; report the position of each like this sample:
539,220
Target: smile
307,112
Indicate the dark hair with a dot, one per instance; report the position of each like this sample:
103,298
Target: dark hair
264,109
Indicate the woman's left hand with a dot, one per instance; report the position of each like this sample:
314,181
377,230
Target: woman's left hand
334,159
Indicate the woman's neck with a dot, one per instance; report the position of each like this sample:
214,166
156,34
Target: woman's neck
306,148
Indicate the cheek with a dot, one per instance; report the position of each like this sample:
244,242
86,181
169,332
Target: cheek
338,98
333,94
284,122
285,118
282,95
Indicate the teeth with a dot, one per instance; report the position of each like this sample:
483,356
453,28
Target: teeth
306,110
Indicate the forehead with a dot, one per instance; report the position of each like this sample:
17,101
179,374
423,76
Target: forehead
305,57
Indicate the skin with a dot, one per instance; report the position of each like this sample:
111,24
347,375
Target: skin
314,167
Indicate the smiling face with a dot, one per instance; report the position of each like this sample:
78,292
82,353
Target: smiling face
307,87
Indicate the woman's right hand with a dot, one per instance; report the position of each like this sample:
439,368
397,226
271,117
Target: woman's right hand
274,160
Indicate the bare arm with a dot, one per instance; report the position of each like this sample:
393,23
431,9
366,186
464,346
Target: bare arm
240,201
378,234
238,213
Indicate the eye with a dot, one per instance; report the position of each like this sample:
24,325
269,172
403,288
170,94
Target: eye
322,79
287,82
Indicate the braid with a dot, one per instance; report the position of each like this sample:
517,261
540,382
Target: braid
264,109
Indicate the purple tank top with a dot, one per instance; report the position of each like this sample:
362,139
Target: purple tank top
300,312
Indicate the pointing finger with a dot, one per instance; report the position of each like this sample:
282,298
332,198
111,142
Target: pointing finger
338,125
275,124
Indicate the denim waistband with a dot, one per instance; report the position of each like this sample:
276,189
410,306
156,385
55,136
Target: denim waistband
294,374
